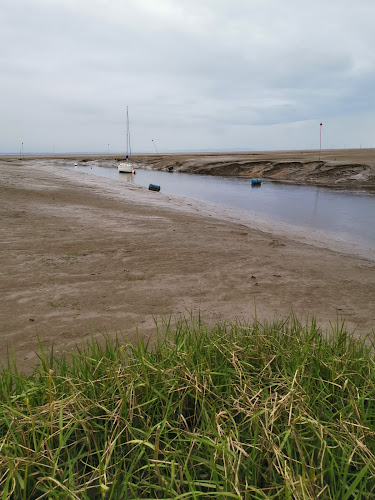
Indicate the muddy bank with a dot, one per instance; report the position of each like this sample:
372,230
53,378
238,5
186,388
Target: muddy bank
344,168
349,169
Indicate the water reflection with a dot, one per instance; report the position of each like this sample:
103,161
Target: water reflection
125,177
315,208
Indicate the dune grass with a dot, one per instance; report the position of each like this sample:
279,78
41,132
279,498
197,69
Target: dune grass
229,412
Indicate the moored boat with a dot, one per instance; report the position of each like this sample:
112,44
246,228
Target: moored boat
256,182
127,167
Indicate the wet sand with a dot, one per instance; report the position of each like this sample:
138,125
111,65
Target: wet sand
81,254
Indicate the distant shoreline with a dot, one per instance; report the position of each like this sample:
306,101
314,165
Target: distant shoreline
288,152
336,168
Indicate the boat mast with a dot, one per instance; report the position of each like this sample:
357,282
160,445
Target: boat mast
127,133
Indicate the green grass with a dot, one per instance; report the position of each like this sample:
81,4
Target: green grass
229,412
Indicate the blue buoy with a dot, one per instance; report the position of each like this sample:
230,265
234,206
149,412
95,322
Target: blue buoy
154,187
256,182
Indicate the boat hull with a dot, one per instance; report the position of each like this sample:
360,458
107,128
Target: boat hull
126,168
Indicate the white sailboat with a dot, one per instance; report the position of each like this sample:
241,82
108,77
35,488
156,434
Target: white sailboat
127,167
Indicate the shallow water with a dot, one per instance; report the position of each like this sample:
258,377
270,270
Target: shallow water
346,215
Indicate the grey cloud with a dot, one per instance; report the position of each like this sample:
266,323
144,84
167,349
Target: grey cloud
207,70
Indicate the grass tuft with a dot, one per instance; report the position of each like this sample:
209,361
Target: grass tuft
235,411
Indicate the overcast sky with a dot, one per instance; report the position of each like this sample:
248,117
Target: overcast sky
196,74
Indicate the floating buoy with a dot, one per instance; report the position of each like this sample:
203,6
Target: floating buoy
256,182
170,169
154,187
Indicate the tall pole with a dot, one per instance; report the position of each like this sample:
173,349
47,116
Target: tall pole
320,148
108,148
127,132
155,146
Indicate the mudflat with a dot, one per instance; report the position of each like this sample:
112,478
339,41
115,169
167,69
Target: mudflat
82,254
348,168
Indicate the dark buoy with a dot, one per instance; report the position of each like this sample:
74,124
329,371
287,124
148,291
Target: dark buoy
170,169
154,187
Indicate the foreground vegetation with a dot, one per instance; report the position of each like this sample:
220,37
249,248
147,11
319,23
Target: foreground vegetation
234,411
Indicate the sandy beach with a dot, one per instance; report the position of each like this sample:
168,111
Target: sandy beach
83,255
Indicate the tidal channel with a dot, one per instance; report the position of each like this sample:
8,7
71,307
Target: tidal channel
346,215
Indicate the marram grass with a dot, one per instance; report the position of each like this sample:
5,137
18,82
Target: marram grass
229,412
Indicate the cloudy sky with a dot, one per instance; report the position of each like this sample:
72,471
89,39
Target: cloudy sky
196,74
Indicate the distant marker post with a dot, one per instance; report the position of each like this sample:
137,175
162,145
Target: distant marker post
320,148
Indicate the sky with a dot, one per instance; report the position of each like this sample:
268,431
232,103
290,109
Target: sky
196,75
